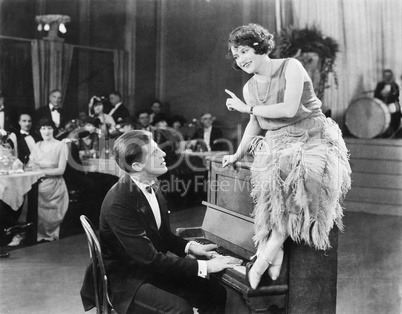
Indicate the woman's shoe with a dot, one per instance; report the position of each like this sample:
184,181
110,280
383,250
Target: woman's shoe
17,240
274,269
254,276
249,265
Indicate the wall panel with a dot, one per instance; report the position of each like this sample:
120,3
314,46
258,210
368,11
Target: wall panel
194,70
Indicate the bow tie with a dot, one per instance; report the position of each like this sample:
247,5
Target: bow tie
24,134
2,110
55,109
151,188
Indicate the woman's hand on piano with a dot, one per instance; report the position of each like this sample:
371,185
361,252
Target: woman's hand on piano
220,263
228,159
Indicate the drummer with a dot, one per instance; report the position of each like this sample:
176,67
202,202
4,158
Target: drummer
387,90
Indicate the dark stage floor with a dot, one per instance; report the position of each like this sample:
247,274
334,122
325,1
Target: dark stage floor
46,278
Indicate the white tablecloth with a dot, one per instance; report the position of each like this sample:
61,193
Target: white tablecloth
13,187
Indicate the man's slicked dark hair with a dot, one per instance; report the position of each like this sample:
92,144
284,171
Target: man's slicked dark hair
128,148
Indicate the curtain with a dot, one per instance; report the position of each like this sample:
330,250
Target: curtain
16,72
369,33
40,71
51,64
119,61
66,68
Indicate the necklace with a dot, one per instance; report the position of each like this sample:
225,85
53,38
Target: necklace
262,101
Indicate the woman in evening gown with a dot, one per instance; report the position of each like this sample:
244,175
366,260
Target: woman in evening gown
300,171
50,156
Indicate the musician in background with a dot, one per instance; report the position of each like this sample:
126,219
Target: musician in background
387,90
136,237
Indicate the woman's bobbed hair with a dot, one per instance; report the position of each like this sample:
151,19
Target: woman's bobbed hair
45,122
252,35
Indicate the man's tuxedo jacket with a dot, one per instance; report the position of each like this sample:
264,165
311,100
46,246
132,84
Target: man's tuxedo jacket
43,112
120,114
22,146
216,134
133,248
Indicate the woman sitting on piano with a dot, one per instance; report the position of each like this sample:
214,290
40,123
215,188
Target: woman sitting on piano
300,170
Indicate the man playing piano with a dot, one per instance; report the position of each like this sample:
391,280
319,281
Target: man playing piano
135,237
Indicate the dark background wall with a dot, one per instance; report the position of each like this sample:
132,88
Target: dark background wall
177,48
194,68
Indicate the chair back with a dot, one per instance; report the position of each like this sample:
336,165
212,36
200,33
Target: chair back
102,301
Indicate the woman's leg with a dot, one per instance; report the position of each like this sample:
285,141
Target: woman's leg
270,255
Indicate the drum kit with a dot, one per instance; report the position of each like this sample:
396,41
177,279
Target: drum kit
368,117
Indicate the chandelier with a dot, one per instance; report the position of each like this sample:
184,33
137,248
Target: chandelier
53,23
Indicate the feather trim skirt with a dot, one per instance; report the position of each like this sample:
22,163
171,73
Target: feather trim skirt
299,177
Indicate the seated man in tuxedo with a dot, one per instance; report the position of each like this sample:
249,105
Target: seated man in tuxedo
53,111
135,238
25,138
209,133
118,111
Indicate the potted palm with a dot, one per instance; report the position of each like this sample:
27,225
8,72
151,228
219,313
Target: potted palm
315,51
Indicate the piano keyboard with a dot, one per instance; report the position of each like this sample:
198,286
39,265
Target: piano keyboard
224,252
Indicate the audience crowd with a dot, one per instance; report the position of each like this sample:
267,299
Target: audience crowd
60,146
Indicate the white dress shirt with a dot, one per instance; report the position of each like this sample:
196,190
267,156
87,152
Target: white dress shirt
55,115
153,202
28,139
207,134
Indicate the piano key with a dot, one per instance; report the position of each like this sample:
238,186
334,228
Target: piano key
240,269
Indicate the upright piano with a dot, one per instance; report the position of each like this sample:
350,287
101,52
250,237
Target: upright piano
308,279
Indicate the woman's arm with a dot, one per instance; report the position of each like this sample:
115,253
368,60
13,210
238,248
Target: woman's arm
252,129
61,167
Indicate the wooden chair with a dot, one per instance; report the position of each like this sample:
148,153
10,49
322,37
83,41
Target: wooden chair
102,301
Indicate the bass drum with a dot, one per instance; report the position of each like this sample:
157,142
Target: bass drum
369,117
